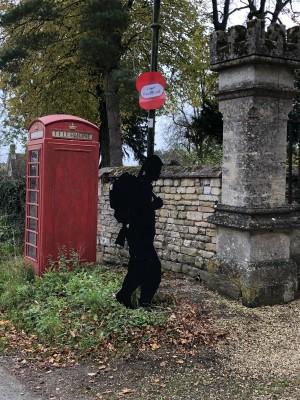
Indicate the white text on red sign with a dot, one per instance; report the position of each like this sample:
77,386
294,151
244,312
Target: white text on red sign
153,90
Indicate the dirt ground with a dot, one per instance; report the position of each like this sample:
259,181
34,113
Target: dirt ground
258,358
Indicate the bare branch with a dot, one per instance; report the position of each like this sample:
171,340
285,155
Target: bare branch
237,9
278,8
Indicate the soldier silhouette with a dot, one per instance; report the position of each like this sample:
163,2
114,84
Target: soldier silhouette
144,267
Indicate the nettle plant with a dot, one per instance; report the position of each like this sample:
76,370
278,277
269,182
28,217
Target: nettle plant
67,260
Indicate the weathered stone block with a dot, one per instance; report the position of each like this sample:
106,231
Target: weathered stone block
194,215
191,190
172,266
216,191
191,271
189,251
245,247
221,284
210,247
187,182
215,182
193,229
206,254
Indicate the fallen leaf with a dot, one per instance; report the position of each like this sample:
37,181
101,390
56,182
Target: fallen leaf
125,391
154,346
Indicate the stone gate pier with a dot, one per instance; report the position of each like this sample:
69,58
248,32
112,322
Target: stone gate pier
254,224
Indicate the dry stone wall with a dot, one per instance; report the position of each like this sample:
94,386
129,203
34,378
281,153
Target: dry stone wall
185,240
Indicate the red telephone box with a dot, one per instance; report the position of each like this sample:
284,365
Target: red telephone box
61,189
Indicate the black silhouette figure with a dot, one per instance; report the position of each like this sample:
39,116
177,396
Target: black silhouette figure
144,267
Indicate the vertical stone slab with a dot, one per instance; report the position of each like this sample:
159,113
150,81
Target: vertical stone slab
256,88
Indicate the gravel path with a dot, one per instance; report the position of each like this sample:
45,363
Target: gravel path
12,389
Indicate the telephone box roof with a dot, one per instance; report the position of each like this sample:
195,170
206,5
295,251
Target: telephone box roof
49,119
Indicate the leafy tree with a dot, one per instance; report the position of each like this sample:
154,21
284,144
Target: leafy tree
198,124
67,33
198,135
89,53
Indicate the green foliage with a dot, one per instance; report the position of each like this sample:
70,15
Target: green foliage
74,309
12,195
12,215
135,130
181,155
103,24
208,125
84,41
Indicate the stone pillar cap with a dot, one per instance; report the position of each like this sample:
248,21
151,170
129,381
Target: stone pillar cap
252,44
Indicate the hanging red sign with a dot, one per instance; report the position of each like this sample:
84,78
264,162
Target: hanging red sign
151,86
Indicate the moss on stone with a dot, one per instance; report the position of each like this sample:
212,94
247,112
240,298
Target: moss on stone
250,296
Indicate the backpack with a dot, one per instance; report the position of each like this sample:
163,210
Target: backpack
121,196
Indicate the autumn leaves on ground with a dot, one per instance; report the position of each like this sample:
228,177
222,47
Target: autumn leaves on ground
69,339
76,313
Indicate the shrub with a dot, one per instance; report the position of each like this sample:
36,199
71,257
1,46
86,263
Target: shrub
12,214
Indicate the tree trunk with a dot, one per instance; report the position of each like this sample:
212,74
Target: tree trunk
104,134
104,137
113,119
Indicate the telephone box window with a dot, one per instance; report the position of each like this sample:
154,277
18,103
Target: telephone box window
33,197
31,251
32,224
33,183
33,170
32,238
34,156
32,211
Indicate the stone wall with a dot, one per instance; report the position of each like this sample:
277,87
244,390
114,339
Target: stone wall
185,240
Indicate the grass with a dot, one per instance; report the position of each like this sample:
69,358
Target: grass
74,309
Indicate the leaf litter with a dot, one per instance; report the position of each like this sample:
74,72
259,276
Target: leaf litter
210,348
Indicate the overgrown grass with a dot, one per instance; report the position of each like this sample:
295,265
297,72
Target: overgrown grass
75,310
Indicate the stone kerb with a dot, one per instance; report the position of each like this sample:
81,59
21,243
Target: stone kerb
185,240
